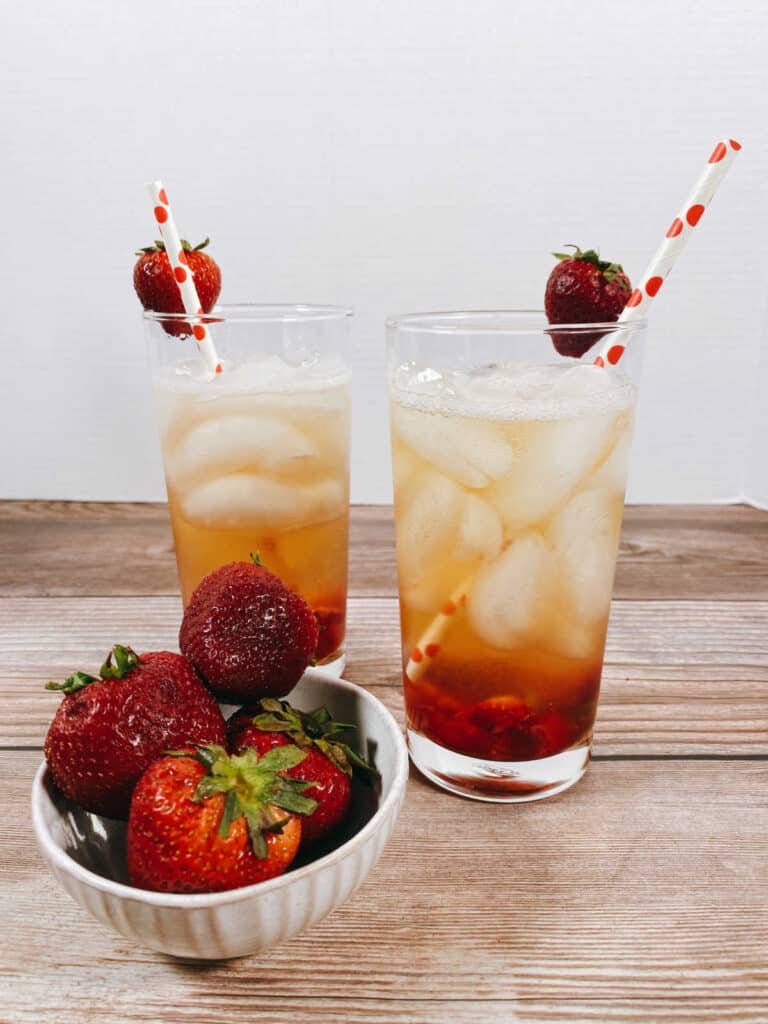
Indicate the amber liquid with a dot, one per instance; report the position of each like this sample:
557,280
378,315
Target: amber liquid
522,517
263,474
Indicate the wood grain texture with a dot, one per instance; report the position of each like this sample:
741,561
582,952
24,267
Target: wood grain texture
70,548
640,895
680,677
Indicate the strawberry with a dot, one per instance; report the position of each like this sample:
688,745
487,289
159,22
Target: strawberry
106,731
202,821
246,633
157,289
328,765
583,289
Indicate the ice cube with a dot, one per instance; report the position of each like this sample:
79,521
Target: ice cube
569,637
479,534
249,500
612,473
428,512
557,455
226,444
508,597
469,451
405,465
585,535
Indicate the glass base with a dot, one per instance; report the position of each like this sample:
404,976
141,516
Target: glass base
502,782
334,663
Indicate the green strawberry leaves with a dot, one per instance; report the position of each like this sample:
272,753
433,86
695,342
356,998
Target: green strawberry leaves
117,665
254,788
159,246
77,681
609,270
313,729
125,661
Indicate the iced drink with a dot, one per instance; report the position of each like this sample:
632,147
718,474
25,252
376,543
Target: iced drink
257,461
509,487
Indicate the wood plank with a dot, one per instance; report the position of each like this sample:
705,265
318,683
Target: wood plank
641,895
80,548
680,678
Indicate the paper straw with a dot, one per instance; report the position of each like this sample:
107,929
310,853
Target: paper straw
680,230
428,646
723,155
182,273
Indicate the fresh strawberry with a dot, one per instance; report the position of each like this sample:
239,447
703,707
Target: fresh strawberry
106,731
328,766
157,289
247,634
202,821
583,289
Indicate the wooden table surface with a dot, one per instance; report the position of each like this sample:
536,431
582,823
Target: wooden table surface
640,895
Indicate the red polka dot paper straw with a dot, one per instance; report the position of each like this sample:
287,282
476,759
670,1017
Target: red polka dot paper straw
184,276
428,646
678,233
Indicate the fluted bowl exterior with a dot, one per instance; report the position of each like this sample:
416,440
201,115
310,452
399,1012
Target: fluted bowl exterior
86,854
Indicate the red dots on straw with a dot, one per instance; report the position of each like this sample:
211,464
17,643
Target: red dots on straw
449,608
693,216
718,153
635,298
675,228
179,262
653,284
614,354
599,361
416,655
735,145
431,650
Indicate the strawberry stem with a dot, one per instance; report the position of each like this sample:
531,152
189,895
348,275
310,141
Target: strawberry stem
255,788
312,729
125,661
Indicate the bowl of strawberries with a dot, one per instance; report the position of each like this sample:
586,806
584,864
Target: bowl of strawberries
207,829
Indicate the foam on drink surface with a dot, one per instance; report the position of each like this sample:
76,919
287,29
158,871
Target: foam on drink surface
258,375
513,391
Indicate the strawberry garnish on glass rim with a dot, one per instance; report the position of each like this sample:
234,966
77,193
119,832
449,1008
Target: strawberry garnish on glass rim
583,289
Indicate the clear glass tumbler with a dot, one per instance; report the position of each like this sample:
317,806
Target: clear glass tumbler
257,457
509,452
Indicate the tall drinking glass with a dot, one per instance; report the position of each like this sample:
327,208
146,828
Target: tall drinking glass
510,459
257,458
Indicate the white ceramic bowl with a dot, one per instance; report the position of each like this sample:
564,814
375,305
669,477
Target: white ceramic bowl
87,853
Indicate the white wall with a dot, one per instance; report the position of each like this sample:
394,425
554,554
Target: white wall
398,155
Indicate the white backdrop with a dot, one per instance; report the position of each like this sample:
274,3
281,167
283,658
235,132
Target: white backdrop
398,155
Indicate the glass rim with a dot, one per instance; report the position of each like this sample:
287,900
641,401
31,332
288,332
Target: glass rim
500,321
258,312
